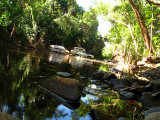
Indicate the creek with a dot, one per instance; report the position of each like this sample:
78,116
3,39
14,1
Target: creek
23,69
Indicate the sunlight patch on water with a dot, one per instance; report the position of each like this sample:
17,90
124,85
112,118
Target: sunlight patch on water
89,97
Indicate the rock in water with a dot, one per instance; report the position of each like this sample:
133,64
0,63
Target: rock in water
64,74
98,75
67,88
101,75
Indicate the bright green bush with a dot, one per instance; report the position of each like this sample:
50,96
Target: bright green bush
107,51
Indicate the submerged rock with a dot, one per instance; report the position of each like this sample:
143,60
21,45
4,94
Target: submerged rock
63,74
122,118
67,88
5,116
98,74
95,91
101,75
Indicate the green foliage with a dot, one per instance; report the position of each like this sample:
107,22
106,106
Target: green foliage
104,67
117,108
125,32
41,23
107,52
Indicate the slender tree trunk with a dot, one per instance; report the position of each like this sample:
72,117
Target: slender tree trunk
13,28
7,59
151,28
135,43
144,29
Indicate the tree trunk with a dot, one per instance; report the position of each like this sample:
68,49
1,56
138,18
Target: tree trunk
144,30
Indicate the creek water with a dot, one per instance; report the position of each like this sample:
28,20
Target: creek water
23,69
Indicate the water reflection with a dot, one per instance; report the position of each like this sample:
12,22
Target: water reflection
75,61
20,73
58,58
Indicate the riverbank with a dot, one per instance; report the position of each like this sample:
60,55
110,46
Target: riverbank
141,91
147,64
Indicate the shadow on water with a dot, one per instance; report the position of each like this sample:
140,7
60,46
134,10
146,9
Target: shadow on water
23,69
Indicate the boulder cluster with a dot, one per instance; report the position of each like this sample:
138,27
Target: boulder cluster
146,92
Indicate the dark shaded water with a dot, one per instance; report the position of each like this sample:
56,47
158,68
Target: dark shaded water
20,74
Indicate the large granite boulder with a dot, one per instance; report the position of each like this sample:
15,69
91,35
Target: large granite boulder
151,110
152,114
67,88
5,116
